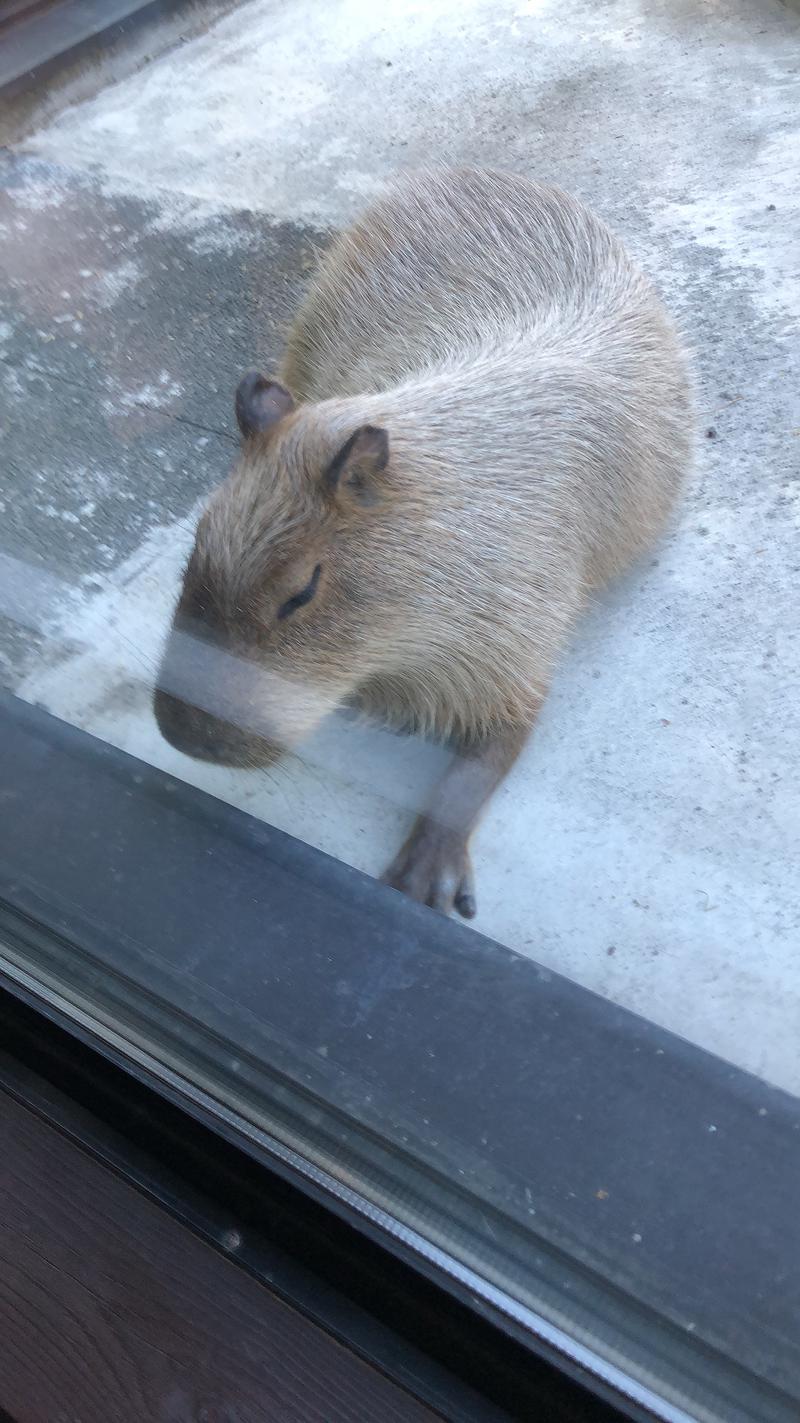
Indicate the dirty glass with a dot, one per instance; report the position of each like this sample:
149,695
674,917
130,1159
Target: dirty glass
159,224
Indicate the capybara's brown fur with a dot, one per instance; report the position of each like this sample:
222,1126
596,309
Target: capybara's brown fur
483,414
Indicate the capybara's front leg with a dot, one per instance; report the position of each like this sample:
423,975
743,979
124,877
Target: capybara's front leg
434,865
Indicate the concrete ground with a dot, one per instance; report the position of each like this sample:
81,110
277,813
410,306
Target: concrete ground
154,241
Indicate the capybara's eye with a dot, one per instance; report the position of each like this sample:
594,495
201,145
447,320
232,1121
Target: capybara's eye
305,596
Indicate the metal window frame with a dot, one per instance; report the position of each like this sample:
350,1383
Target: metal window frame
36,42
104,803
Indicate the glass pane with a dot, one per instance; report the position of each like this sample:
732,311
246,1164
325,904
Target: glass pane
158,238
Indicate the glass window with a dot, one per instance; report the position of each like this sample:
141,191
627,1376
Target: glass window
481,415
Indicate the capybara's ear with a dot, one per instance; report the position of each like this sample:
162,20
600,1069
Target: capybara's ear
260,403
356,471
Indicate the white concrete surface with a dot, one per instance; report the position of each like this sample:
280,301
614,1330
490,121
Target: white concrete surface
647,844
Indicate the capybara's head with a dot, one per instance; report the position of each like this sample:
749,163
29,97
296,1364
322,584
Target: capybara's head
276,621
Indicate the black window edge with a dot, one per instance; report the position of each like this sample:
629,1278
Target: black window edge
760,1143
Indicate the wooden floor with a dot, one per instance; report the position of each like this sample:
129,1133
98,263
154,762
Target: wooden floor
111,1311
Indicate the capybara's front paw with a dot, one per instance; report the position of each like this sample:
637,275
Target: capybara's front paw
434,868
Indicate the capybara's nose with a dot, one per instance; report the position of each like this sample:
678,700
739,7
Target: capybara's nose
179,724
208,738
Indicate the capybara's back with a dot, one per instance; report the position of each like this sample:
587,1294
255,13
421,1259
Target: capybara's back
577,357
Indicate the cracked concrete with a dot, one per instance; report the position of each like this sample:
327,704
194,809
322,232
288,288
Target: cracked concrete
154,242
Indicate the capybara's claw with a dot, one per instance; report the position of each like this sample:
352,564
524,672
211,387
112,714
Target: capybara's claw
434,868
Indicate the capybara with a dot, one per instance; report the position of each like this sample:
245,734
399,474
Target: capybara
483,414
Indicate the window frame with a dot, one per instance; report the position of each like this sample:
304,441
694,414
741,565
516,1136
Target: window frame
85,777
